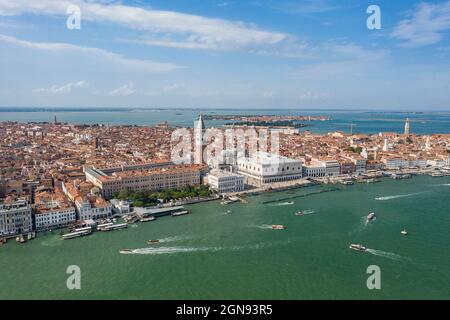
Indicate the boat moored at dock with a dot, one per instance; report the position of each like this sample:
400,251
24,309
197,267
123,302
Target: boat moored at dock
180,213
76,234
114,227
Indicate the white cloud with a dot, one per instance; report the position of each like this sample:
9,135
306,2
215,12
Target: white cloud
135,64
268,94
62,89
124,91
314,95
185,29
425,26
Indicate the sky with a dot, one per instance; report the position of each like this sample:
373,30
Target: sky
304,54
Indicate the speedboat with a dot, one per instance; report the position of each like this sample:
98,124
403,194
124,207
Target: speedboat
126,251
153,241
228,212
371,216
278,227
299,213
358,247
404,232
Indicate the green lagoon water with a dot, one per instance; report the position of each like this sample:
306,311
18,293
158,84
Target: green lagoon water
212,255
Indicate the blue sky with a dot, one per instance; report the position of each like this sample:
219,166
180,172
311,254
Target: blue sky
226,54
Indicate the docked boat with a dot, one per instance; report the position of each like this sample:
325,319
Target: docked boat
76,234
358,247
371,216
114,227
180,213
373,180
147,219
299,213
404,232
126,251
153,241
438,174
278,227
21,239
347,182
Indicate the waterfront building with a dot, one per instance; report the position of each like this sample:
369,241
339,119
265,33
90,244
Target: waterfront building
15,218
91,207
120,206
374,165
266,167
332,167
153,179
225,181
347,166
53,211
314,169
395,163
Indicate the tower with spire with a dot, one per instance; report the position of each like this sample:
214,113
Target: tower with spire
407,127
199,129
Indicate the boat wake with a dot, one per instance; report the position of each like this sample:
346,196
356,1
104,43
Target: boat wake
397,196
168,250
385,254
174,250
305,212
173,239
287,203
265,226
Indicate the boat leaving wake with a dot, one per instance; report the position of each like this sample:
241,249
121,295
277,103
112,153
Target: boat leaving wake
385,254
173,250
397,196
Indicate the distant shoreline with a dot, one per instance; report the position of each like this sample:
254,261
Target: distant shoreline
209,110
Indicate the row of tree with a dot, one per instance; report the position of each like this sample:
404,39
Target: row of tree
148,198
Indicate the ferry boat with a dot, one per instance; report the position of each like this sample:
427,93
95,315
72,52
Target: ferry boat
153,241
126,251
76,234
437,174
278,227
147,219
180,213
299,213
399,176
114,227
101,226
404,232
358,247
370,216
